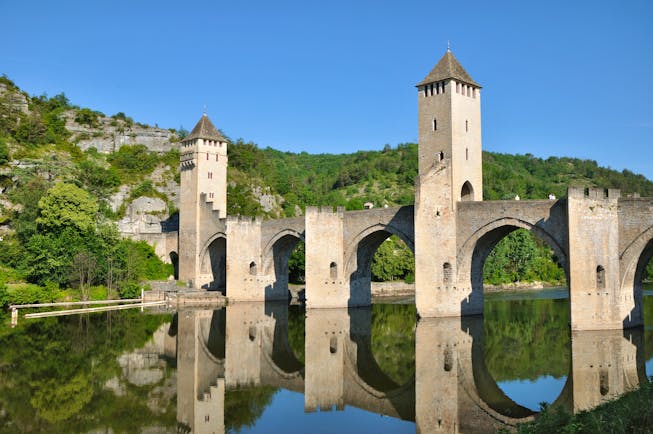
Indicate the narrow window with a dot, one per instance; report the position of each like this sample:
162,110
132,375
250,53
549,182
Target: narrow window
441,156
425,90
252,333
435,125
457,87
216,157
210,175
207,155
467,154
474,92
333,270
466,126
446,273
252,268
604,383
600,277
333,345
448,360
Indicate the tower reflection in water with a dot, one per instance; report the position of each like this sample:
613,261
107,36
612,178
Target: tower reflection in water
247,346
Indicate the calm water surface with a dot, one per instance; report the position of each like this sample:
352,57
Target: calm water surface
268,368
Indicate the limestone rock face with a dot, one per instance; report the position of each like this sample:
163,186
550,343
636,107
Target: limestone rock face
110,134
144,215
16,99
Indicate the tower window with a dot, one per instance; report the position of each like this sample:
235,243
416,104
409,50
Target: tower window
467,154
446,273
441,156
457,87
425,91
333,270
216,157
600,277
207,155
252,268
435,125
473,92
466,126
210,175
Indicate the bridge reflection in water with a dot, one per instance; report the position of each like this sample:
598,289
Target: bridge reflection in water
246,345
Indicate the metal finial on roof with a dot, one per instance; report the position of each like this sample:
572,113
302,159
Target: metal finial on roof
448,45
204,111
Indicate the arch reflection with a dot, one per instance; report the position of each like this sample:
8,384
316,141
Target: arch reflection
239,356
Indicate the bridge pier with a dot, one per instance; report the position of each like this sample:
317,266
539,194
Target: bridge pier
326,285
246,278
595,294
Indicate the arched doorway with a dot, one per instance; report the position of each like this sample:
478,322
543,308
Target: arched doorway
467,192
214,263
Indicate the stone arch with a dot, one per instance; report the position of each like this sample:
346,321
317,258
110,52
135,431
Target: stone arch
358,259
467,192
475,250
633,261
277,250
213,261
274,262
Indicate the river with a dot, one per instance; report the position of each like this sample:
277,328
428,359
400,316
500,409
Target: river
268,368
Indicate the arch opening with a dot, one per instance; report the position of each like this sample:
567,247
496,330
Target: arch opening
518,257
285,260
214,263
642,295
174,260
380,257
467,192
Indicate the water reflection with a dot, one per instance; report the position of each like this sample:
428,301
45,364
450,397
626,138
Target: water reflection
251,366
451,389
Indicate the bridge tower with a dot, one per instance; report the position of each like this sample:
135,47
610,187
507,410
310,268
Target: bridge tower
203,167
450,170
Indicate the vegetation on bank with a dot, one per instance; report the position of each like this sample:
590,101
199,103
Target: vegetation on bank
630,413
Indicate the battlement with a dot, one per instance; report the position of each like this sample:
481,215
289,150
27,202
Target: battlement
239,219
593,193
325,211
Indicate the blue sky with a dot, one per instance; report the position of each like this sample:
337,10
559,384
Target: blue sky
559,78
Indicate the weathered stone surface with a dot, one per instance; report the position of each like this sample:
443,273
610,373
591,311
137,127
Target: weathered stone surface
110,134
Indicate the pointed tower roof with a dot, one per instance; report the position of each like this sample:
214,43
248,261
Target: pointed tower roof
205,130
448,67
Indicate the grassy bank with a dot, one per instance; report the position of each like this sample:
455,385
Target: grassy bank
631,413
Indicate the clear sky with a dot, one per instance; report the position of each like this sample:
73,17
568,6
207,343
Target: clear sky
560,78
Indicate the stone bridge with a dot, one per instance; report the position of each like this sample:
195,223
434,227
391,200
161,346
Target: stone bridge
602,240
247,345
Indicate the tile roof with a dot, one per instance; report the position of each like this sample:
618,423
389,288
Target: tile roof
205,130
448,67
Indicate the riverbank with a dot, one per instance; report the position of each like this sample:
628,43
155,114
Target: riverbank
630,413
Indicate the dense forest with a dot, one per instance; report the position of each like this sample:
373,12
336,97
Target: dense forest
58,202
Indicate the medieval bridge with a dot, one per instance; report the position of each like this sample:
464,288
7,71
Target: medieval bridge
602,240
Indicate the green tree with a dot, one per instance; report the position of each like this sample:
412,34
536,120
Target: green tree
66,205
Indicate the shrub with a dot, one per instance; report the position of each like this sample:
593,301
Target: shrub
130,290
